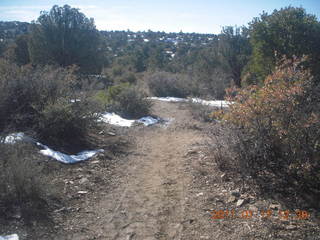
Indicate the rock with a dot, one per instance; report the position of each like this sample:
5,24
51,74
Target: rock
101,132
231,199
291,227
240,202
83,180
199,194
111,134
224,177
235,193
275,206
17,215
82,192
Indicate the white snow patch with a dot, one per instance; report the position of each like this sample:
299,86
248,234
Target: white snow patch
16,137
169,99
10,237
69,159
212,103
61,157
147,121
117,120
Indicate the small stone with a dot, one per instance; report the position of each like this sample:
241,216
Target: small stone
60,210
101,132
83,180
291,227
275,206
231,199
82,192
240,202
111,134
224,177
199,194
235,193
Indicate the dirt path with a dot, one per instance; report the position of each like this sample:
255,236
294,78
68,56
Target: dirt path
150,202
167,188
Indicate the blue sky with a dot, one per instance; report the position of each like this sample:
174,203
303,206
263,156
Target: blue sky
203,16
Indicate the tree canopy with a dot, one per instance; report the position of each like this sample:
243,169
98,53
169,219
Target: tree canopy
65,36
287,32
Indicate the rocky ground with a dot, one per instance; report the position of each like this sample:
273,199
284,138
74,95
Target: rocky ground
160,182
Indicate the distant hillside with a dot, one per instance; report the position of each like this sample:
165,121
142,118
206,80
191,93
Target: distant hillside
10,30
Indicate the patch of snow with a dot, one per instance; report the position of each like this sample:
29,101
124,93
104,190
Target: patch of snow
61,157
10,237
147,121
117,120
169,99
69,159
212,103
16,137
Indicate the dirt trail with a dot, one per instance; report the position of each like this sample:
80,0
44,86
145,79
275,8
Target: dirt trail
150,202
167,188
147,199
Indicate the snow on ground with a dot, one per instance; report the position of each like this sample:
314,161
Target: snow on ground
169,99
212,103
68,159
59,156
10,237
115,119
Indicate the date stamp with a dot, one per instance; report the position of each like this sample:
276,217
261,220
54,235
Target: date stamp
266,213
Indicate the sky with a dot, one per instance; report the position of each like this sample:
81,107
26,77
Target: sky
201,16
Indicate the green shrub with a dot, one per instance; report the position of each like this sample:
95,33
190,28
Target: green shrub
128,101
164,84
64,122
132,103
39,99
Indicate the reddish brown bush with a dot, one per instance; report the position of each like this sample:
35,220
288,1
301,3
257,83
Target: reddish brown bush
280,125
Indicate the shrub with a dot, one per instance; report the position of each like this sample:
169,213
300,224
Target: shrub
40,99
63,122
128,101
133,104
280,126
21,184
128,77
201,112
164,84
